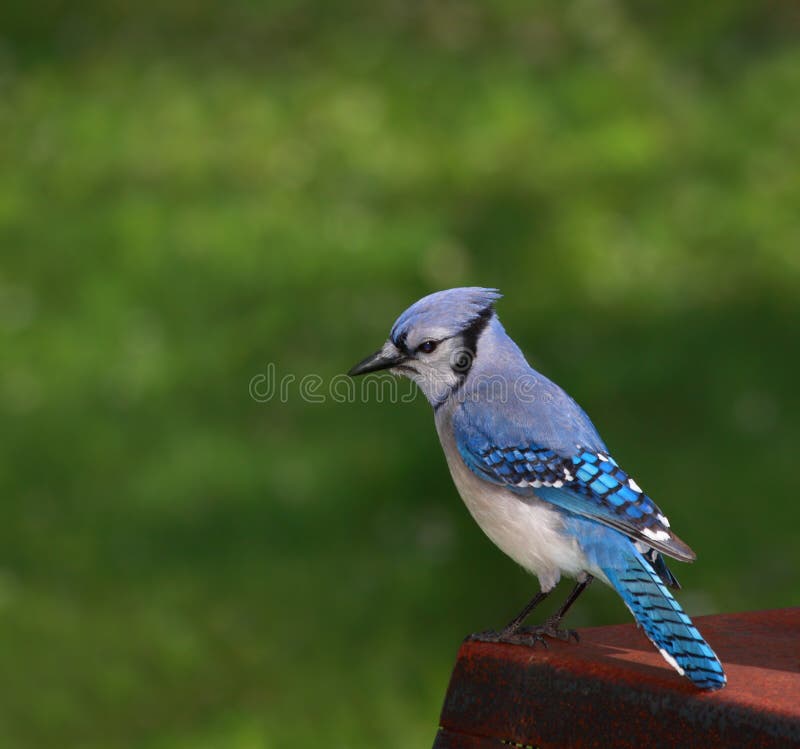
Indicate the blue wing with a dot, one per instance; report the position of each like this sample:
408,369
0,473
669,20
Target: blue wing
549,447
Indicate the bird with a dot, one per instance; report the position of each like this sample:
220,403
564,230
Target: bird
537,477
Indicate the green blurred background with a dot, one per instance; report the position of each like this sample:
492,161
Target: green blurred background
190,191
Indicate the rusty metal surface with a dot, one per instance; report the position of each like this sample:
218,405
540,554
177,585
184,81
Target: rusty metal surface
613,689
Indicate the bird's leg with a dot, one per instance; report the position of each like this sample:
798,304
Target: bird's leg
516,634
511,632
571,598
514,625
550,627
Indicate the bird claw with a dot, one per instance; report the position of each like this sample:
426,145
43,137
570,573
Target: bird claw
488,635
551,629
529,636
517,637
572,634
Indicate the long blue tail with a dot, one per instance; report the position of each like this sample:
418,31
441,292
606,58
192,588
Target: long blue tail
664,621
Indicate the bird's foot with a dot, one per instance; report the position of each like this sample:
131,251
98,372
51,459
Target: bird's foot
551,629
507,636
529,636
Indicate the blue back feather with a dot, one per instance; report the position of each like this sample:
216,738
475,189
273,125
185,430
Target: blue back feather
551,449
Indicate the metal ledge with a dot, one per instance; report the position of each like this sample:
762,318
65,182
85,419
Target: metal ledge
614,690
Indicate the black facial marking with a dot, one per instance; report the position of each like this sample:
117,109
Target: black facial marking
400,343
462,361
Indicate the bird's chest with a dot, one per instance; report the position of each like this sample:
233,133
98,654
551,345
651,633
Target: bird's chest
527,529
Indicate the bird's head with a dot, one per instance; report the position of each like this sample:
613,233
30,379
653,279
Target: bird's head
435,341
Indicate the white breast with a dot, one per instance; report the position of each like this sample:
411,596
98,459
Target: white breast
529,530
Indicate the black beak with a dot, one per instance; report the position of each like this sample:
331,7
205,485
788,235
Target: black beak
376,362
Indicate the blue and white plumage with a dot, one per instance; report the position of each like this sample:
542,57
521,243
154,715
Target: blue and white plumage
535,474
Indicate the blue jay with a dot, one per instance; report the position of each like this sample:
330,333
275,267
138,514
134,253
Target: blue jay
536,476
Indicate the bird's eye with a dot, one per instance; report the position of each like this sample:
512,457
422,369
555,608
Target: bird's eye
427,347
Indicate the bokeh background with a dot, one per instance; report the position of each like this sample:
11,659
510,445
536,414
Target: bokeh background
191,192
